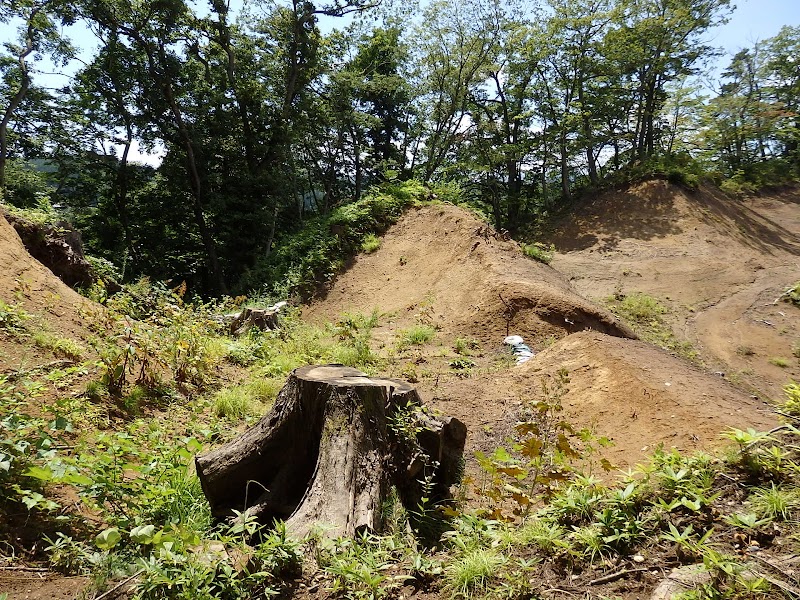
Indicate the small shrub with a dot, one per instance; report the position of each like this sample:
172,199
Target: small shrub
680,177
738,185
540,252
745,351
371,243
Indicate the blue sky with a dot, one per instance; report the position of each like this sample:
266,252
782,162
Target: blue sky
755,20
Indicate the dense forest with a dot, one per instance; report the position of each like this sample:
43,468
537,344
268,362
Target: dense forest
266,122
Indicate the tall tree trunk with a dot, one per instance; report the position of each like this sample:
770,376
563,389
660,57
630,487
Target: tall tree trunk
17,97
565,186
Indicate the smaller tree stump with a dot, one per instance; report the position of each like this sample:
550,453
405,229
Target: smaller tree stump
260,318
328,452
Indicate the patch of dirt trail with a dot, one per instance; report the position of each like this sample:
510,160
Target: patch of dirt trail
718,263
440,266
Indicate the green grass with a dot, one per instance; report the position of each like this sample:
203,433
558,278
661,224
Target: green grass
779,361
60,347
471,575
775,502
371,243
639,308
645,314
540,252
249,399
416,335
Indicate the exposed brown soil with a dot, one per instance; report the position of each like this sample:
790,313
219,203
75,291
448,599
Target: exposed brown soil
719,264
36,586
440,266
54,307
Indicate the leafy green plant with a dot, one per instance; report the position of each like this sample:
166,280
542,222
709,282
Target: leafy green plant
779,362
462,364
13,317
791,403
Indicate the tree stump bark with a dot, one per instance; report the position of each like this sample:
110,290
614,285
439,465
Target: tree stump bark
329,451
261,318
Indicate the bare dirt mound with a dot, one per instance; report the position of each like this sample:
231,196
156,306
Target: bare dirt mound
441,266
54,307
717,263
627,390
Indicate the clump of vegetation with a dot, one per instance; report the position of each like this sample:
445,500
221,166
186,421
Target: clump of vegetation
416,335
371,243
13,318
60,347
311,257
645,314
792,398
792,295
465,346
540,252
779,361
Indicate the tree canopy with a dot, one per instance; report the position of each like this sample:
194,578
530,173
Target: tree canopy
265,121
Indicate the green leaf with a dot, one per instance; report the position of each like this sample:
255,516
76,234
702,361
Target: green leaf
107,539
78,479
143,534
40,473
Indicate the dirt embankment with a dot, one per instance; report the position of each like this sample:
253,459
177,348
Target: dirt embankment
719,265
441,266
440,262
54,307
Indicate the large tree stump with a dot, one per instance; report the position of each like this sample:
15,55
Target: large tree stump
328,452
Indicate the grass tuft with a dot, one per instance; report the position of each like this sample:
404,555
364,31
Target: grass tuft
416,336
371,243
472,574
